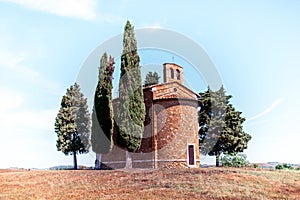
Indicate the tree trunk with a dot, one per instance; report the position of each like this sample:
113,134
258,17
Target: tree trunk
128,160
98,161
218,159
75,160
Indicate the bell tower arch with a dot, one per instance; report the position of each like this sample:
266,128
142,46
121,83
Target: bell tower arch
173,72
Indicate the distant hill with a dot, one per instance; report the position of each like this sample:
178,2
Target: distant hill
272,165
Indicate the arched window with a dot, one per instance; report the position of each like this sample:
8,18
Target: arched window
171,72
177,74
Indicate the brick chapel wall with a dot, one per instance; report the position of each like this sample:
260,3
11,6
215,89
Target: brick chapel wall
170,124
172,90
176,127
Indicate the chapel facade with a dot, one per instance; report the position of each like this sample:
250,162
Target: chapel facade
170,129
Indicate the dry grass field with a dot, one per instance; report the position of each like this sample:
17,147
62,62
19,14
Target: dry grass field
204,183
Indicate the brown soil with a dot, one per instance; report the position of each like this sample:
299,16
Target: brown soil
204,183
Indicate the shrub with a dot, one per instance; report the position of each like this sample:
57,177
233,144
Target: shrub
283,166
238,160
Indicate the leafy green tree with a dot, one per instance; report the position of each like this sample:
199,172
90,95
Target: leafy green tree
72,124
151,79
238,160
131,108
102,116
220,125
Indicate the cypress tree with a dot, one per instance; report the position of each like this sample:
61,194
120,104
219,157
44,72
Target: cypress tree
131,108
102,116
220,125
72,124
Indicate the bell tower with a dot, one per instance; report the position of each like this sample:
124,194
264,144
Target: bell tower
173,72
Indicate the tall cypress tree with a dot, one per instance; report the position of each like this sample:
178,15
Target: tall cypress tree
220,125
72,124
131,108
102,116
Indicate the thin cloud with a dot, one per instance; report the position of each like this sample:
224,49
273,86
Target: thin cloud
268,110
15,66
9,100
82,9
28,120
156,25
110,18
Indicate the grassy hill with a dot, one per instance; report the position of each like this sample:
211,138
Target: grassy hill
204,183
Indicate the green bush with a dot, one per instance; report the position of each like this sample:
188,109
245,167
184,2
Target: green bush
283,166
255,165
238,160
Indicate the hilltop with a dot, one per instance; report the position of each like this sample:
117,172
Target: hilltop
200,183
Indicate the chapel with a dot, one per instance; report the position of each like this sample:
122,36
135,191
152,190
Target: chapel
170,129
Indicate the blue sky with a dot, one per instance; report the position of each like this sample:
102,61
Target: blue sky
255,46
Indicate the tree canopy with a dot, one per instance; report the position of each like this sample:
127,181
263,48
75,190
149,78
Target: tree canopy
72,124
220,125
152,78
